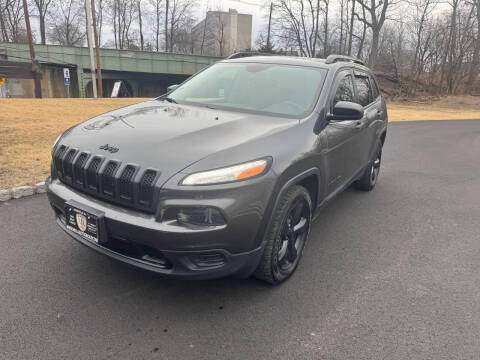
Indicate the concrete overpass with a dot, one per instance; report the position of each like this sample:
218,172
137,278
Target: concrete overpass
146,73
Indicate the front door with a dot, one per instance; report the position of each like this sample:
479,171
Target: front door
344,138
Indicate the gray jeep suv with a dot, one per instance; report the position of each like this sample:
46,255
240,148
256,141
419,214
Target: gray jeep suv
223,174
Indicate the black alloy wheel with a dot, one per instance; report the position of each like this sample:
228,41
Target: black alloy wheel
287,237
370,177
293,235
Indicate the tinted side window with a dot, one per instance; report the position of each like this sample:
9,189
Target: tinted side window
364,90
345,90
376,92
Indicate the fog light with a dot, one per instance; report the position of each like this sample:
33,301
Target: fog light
208,260
200,216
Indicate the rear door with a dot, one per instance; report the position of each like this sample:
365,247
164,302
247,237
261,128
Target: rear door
369,97
344,138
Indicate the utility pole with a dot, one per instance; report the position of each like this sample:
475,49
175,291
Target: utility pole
97,51
351,29
35,67
140,23
90,46
269,26
167,3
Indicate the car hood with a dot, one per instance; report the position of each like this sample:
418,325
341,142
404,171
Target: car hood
168,137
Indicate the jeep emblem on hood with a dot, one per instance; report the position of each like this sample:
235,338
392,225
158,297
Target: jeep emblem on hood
109,148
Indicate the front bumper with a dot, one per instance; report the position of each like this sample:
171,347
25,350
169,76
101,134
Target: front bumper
143,241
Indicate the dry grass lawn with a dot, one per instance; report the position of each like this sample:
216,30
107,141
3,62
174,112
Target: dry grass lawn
448,108
28,127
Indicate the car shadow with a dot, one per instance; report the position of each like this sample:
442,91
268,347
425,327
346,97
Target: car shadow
323,252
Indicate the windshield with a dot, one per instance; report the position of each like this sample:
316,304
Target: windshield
283,90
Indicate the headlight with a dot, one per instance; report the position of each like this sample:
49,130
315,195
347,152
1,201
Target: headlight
227,174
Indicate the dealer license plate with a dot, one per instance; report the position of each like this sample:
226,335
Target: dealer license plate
82,223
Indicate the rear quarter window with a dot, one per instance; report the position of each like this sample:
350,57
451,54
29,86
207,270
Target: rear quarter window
375,89
364,90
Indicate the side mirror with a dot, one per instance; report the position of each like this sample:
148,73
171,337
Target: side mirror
346,110
172,87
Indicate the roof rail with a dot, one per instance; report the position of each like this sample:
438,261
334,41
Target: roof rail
243,54
336,58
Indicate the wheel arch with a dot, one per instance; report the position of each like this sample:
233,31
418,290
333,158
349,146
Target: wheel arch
383,136
311,183
310,179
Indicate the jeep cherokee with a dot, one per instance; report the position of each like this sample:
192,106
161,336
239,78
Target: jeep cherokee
223,174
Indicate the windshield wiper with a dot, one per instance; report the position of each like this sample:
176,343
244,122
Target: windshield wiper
169,99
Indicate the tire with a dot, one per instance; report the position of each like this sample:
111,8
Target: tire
370,177
286,238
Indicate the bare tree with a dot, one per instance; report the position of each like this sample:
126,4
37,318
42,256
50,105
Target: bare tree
326,48
3,23
122,14
421,38
204,31
69,27
167,6
474,68
298,21
393,55
178,16
12,17
219,30
452,38
157,7
428,48
99,12
377,11
342,17
462,47
42,8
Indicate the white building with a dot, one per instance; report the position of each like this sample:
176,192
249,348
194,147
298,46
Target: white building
222,33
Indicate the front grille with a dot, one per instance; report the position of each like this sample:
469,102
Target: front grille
146,187
92,173
78,170
125,184
58,159
108,179
68,164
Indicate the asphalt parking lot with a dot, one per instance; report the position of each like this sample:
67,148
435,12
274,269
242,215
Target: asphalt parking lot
392,274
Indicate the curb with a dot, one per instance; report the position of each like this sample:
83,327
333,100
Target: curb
22,191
